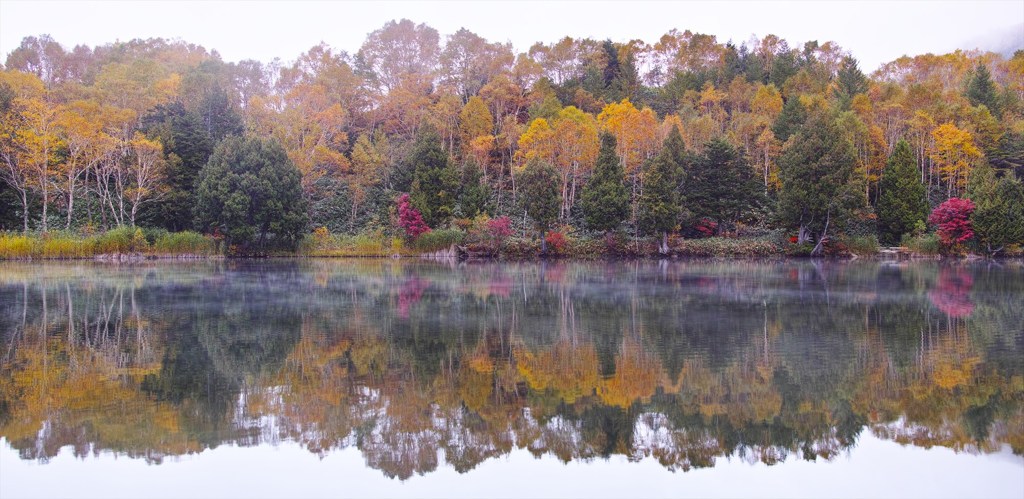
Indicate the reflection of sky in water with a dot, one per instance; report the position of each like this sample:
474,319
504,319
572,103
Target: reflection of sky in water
875,468
418,369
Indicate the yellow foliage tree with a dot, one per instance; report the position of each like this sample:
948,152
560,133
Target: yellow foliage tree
955,154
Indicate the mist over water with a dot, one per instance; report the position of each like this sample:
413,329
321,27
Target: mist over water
423,367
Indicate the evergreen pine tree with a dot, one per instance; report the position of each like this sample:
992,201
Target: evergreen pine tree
539,196
605,198
721,185
251,193
981,91
435,181
187,148
659,207
790,120
473,193
901,201
1009,154
819,188
998,217
851,81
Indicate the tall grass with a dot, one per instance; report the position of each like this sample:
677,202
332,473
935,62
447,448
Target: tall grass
437,240
184,243
323,243
923,244
17,246
120,241
124,240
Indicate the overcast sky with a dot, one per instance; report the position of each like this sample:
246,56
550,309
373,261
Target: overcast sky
873,31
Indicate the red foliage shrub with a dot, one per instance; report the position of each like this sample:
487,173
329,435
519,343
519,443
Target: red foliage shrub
706,227
953,221
556,242
409,218
699,229
499,229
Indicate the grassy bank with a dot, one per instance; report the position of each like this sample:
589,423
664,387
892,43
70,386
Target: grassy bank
123,241
161,244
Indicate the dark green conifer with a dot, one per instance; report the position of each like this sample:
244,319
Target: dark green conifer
435,183
605,198
902,202
658,208
981,91
790,120
721,185
539,196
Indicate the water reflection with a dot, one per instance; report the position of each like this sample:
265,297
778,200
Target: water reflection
421,364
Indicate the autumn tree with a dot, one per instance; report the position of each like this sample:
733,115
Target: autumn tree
955,155
901,199
475,120
605,198
145,172
409,218
15,174
952,220
81,124
819,189
400,50
468,62
635,134
367,166
575,147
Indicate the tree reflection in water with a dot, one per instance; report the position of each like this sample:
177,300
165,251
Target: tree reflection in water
421,364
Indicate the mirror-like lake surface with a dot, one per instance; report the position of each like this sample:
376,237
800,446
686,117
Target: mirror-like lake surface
380,377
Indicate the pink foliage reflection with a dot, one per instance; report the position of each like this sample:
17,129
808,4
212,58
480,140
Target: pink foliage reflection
500,285
410,294
951,293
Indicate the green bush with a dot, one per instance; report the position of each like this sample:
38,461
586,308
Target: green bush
437,240
152,234
585,248
518,248
804,249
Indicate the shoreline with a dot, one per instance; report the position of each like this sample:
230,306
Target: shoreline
139,258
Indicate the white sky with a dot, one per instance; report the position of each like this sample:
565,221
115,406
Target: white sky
874,31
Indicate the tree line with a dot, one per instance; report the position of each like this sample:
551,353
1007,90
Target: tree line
686,135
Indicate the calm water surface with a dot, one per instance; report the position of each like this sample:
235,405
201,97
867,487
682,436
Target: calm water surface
407,378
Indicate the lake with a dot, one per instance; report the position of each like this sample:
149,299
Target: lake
328,378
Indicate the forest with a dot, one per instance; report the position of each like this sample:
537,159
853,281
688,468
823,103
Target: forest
683,145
